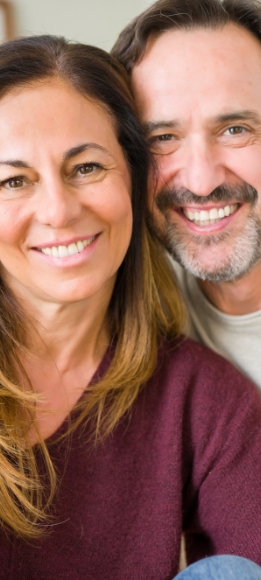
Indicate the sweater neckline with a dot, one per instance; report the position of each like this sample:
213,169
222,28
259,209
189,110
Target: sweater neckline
98,374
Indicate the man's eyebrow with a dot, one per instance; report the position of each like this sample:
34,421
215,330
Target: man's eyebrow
15,163
238,116
84,147
154,126
245,115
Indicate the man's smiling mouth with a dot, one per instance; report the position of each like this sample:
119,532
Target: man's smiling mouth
209,217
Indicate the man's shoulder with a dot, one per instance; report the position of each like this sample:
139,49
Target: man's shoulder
185,364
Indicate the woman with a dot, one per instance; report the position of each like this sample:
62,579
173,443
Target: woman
116,433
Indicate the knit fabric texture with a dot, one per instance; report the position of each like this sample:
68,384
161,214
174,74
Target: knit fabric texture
186,458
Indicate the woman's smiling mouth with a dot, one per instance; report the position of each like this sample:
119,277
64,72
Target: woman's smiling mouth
64,251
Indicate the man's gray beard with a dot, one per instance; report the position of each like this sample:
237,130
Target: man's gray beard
187,249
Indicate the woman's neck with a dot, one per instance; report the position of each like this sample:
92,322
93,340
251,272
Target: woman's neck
65,332
69,334
66,346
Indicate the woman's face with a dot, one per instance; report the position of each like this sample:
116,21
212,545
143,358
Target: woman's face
65,195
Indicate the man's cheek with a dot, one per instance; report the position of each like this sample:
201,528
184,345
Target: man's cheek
166,170
154,185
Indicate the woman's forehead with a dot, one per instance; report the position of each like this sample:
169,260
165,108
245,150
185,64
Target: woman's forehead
54,98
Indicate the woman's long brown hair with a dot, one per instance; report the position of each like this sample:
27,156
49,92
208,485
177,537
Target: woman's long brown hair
145,305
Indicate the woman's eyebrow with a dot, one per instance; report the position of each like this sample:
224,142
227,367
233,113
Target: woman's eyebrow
68,155
84,147
15,163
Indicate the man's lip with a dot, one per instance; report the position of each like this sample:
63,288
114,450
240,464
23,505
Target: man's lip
207,207
56,242
206,229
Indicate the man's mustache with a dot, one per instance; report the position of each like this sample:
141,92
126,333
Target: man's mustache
227,194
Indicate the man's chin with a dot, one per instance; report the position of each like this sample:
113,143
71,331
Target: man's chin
228,269
204,270
222,257
207,260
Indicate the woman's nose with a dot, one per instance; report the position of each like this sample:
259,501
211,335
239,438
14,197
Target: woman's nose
58,205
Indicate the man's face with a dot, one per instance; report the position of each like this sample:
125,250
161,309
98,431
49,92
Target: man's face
199,97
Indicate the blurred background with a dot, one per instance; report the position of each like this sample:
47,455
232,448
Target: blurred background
95,22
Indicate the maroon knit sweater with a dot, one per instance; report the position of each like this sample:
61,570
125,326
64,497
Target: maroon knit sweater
187,458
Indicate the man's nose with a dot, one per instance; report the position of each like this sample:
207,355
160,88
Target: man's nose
58,204
201,169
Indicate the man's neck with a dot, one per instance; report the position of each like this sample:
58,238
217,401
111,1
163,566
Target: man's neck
239,297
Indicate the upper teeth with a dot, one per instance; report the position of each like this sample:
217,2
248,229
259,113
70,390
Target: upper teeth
64,251
205,217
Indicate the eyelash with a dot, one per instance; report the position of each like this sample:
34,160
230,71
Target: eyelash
161,138
90,164
240,127
164,136
12,178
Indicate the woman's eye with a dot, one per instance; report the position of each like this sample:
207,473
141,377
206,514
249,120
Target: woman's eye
88,168
13,183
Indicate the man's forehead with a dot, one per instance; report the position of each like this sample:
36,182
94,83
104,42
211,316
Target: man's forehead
176,43
195,67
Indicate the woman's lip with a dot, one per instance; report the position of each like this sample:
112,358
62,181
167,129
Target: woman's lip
56,243
68,261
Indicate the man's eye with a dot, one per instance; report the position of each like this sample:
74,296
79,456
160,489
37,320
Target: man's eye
236,130
162,138
163,144
166,137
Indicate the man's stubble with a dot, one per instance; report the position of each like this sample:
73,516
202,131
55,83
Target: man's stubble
188,248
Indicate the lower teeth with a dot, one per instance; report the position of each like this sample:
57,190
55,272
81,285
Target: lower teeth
206,222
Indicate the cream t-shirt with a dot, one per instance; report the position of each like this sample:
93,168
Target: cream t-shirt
237,338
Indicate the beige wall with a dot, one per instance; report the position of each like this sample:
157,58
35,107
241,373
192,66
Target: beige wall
92,21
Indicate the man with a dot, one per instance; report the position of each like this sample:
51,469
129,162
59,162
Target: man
195,68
